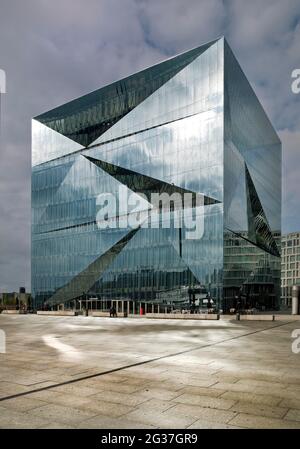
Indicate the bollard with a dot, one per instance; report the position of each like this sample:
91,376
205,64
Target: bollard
295,299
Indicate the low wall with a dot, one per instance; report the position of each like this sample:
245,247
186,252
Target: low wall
255,317
259,317
184,316
105,314
56,312
287,317
11,312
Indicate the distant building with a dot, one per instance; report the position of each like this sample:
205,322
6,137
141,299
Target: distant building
290,266
251,275
12,300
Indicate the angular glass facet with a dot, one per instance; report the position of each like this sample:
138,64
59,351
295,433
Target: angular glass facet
258,226
187,93
145,184
86,118
80,284
48,144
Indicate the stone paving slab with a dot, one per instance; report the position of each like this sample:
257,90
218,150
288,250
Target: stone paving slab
293,415
133,399
204,424
102,422
22,404
199,392
60,413
252,398
204,401
290,403
155,405
259,422
12,419
198,412
259,410
105,408
232,375
167,419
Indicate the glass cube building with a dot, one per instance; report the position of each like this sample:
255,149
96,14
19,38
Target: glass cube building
191,124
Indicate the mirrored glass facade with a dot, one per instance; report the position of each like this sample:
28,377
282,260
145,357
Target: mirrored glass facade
191,124
252,196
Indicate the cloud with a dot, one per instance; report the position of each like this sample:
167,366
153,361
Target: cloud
177,25
290,173
55,51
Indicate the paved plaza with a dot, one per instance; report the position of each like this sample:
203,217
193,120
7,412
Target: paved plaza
87,372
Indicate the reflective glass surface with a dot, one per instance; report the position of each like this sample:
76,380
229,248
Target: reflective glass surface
189,124
180,148
252,195
48,144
